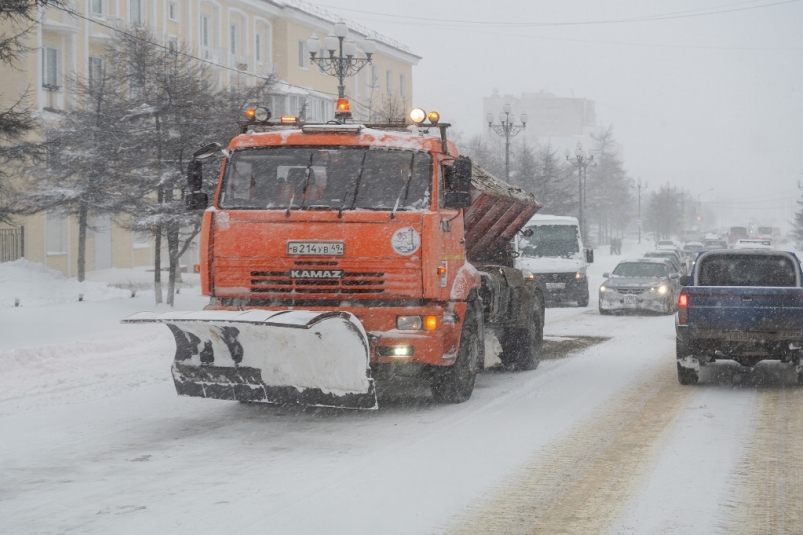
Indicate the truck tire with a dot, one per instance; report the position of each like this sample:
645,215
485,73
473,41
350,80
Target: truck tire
687,376
521,347
583,301
455,383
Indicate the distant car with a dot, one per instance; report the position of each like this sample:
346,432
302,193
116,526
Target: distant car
716,243
753,244
665,243
671,256
646,284
691,248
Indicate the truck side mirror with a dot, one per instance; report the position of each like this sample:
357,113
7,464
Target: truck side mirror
589,256
207,151
195,176
196,199
606,275
674,276
684,280
457,184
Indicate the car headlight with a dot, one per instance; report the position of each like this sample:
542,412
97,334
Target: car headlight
602,288
662,289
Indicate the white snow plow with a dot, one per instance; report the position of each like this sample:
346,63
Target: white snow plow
285,357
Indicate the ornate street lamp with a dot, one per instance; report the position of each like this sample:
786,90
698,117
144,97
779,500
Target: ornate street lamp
345,63
581,160
506,129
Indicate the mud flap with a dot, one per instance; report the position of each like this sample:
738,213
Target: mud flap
286,357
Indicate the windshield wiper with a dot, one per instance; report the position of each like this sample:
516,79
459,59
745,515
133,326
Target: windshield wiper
405,189
303,191
357,182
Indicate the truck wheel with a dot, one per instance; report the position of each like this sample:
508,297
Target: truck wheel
583,301
687,376
521,348
455,383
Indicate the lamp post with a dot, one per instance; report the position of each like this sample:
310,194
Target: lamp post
345,63
506,129
637,184
581,160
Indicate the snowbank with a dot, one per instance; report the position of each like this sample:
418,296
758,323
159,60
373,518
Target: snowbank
35,285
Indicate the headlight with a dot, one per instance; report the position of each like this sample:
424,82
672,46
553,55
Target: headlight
662,289
409,323
527,274
602,288
416,323
580,273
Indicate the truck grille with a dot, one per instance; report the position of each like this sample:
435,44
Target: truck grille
556,277
350,283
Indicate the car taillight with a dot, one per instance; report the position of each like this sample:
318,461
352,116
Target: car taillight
683,308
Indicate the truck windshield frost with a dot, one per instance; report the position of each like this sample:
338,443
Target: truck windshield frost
336,178
550,241
744,270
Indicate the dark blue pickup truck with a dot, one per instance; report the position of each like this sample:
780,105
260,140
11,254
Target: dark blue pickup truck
741,305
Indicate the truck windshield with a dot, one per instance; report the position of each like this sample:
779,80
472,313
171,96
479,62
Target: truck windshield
550,241
327,178
640,269
747,270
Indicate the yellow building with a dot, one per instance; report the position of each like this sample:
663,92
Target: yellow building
242,40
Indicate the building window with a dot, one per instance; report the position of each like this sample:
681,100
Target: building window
172,11
56,229
258,47
96,7
403,85
172,45
389,82
302,55
95,72
374,76
204,30
136,12
50,68
233,33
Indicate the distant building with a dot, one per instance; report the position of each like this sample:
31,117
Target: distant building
559,121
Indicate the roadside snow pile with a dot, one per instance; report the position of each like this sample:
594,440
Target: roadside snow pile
35,284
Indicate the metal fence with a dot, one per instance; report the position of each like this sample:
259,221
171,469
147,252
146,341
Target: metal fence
12,244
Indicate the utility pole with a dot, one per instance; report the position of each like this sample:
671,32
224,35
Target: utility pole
637,184
581,160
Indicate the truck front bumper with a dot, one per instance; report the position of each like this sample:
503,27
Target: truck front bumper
389,345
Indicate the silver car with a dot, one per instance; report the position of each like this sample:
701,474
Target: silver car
646,284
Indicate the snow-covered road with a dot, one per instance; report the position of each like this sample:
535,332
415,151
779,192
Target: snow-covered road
601,438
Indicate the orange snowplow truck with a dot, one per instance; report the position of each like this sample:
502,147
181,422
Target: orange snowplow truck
337,255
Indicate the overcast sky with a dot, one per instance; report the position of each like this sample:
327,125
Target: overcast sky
701,101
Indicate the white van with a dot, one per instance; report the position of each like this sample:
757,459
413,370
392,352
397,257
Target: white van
550,247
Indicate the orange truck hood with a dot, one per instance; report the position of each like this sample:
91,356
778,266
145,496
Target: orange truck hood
381,258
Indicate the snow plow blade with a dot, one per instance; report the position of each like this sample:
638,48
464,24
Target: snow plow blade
287,357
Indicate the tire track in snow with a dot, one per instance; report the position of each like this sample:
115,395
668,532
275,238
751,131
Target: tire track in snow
769,489
583,482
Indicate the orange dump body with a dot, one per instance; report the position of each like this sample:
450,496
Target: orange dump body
379,265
